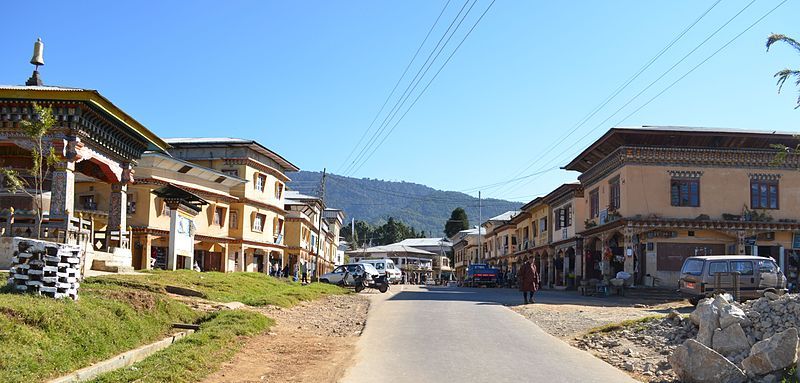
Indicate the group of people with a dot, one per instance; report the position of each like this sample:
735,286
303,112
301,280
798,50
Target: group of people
301,271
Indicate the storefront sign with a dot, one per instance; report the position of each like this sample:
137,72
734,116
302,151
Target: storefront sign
662,234
796,241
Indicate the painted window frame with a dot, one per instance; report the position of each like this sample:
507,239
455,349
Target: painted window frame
680,182
614,193
594,203
768,200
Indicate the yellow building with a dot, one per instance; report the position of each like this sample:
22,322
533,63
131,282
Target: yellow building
562,267
497,242
466,250
656,195
257,217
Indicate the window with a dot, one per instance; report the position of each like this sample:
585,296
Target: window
743,267
693,267
543,225
763,194
277,226
278,190
164,208
261,180
131,204
767,267
88,202
219,212
717,267
234,219
613,194
258,222
558,218
594,203
685,193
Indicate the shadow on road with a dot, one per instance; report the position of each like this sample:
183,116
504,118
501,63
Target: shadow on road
512,297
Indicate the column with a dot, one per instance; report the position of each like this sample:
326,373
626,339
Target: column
224,266
147,249
242,259
62,189
172,255
740,242
118,207
629,252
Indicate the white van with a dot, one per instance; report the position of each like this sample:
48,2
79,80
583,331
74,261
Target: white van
385,266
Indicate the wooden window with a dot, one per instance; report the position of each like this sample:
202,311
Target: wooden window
261,180
88,202
130,207
234,219
543,224
594,203
278,190
613,194
258,222
567,216
219,213
685,192
558,218
763,194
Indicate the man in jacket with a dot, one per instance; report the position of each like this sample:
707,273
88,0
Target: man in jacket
528,280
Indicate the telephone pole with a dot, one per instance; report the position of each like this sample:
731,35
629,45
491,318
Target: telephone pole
320,238
480,224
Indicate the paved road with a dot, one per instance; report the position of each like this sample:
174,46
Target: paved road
420,334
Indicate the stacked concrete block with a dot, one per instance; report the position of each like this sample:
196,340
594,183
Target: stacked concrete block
45,268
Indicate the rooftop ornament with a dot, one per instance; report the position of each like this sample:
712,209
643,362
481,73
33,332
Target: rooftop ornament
36,60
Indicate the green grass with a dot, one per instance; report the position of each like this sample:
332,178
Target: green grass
43,338
790,375
632,323
253,289
193,358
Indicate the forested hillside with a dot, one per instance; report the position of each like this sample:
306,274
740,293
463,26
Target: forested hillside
374,201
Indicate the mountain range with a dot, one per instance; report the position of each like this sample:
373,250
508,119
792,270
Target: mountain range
374,201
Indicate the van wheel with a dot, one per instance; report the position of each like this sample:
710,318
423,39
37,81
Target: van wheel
694,301
324,281
768,291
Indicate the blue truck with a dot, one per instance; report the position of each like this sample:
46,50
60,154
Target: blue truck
480,274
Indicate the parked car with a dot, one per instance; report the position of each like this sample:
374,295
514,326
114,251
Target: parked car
757,275
387,267
350,270
480,274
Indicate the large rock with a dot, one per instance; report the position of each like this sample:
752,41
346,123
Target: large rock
730,314
706,316
731,340
695,363
772,354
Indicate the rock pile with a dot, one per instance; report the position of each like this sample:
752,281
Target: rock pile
736,343
45,268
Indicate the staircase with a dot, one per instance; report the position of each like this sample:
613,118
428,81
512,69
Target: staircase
112,263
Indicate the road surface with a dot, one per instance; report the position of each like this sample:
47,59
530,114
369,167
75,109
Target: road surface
437,334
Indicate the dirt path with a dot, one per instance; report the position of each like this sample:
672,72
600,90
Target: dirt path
311,342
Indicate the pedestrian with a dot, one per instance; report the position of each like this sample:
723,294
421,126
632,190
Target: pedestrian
286,271
276,270
528,280
304,272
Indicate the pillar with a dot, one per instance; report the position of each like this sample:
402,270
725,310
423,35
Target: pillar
172,255
148,252
62,199
118,207
242,259
629,252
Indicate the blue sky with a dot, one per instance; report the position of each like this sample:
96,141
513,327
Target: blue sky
306,78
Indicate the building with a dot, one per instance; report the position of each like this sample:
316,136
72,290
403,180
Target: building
563,261
334,252
656,195
92,138
466,248
257,217
416,264
497,238
441,247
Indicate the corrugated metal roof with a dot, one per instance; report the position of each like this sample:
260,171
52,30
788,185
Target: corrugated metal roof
255,145
425,242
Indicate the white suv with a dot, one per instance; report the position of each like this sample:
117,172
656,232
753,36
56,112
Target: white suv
350,269
385,266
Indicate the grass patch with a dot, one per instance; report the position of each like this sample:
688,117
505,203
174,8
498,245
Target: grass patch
43,338
790,375
193,358
254,289
635,323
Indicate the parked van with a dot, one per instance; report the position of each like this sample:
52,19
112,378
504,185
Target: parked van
386,266
757,275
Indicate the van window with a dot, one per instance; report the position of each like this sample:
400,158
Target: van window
743,267
693,267
378,265
717,267
767,267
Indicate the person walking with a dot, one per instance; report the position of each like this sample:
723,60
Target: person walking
528,280
276,270
286,271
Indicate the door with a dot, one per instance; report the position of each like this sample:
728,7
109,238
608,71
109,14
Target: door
212,261
336,275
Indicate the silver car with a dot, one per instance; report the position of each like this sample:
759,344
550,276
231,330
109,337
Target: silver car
349,270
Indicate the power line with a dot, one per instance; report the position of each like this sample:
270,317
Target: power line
622,87
395,85
427,85
408,88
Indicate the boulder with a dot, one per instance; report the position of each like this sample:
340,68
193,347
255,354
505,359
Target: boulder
706,316
772,296
772,354
695,363
731,314
731,340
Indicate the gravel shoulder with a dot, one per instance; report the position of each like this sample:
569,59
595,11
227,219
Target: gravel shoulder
311,342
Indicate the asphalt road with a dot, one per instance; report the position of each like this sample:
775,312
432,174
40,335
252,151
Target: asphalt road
437,334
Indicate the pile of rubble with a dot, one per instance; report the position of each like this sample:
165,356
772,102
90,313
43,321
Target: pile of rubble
45,268
737,343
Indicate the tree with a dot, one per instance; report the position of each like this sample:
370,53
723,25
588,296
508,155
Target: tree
43,159
785,74
458,221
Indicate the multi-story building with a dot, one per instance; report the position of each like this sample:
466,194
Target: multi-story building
656,195
566,207
303,227
492,244
334,218
466,249
257,217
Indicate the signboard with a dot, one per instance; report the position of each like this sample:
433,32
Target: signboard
184,236
796,241
603,216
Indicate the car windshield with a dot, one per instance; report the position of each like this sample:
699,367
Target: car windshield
353,268
693,267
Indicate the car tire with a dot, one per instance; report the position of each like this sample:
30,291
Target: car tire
359,287
694,301
324,281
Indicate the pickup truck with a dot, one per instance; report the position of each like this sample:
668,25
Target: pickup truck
481,274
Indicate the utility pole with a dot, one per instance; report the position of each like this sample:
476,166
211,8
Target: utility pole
321,212
480,225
